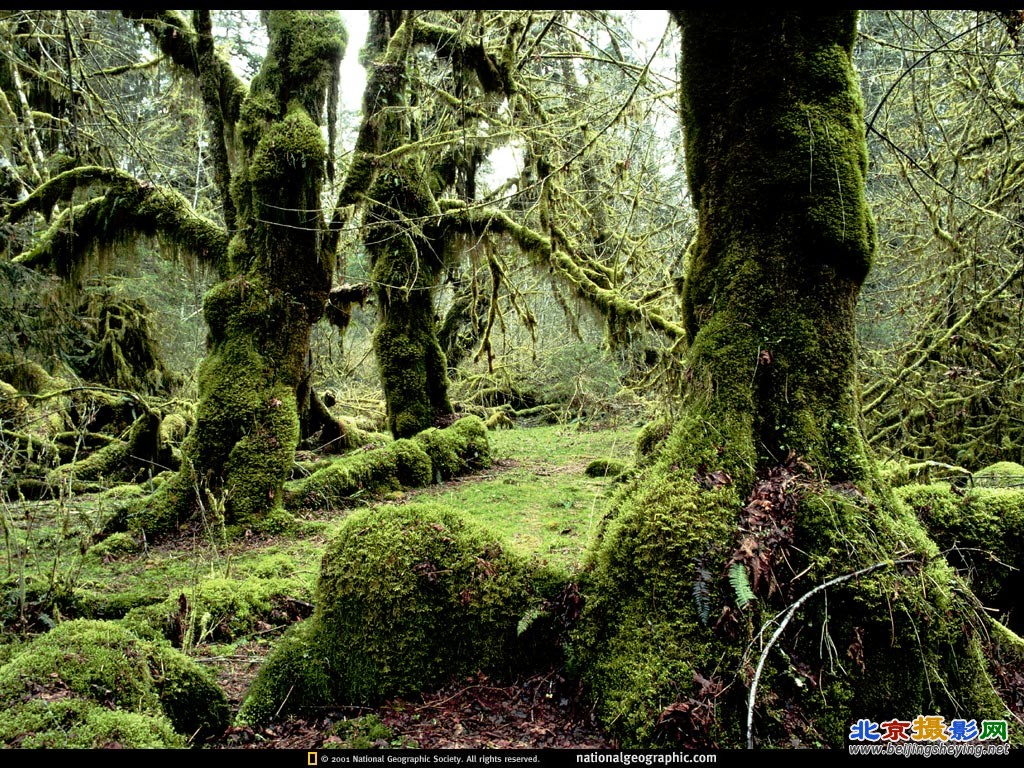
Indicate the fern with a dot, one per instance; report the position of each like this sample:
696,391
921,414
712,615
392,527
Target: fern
740,585
702,592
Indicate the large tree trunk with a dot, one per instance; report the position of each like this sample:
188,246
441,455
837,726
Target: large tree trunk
406,261
765,490
247,422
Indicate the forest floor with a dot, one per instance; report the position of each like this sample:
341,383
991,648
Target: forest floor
226,603
541,711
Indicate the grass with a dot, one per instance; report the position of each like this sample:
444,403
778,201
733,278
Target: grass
538,498
535,497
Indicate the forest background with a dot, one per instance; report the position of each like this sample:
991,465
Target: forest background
558,280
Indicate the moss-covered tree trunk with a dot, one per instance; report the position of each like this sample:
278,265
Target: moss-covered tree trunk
279,275
405,263
406,270
765,491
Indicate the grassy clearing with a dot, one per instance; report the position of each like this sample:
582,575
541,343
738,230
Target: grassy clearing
536,497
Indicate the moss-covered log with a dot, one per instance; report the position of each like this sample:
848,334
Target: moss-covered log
431,456
765,491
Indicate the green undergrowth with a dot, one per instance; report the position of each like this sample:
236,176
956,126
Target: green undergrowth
92,684
214,598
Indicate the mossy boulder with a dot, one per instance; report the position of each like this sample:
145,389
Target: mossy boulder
1002,474
109,686
407,598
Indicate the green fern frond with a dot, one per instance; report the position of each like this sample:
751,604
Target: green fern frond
740,585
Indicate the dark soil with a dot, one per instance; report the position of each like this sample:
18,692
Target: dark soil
538,712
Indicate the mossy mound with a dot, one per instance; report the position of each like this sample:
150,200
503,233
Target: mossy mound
83,724
605,468
407,598
109,687
1002,474
221,610
982,533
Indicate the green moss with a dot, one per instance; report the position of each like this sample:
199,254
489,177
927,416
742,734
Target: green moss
286,148
114,546
458,449
605,468
75,723
660,611
306,50
102,663
981,532
407,598
218,610
1002,474
297,674
642,637
13,407
434,455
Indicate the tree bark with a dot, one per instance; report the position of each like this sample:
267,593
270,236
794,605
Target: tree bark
765,493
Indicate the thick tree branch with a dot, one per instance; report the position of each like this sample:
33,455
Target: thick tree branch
127,209
564,265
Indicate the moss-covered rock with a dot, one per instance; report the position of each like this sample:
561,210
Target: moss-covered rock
149,694
1002,474
407,598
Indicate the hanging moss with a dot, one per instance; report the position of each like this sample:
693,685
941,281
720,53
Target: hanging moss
122,212
121,350
407,598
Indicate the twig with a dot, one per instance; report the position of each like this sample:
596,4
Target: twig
788,614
